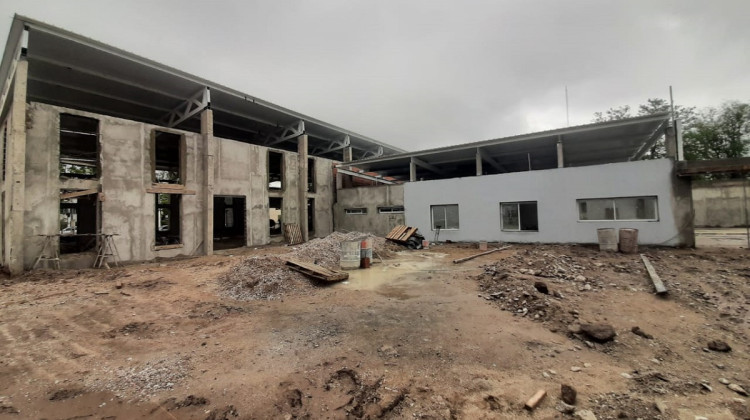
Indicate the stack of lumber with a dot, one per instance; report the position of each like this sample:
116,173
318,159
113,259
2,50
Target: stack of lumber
401,233
316,271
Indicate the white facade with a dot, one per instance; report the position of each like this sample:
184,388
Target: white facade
555,192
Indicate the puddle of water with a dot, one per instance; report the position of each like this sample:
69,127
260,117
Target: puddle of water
396,277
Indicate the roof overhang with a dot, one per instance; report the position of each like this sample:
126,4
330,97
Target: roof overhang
590,144
69,70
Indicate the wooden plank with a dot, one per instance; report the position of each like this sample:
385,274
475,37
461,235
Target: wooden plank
658,284
293,233
316,271
535,399
75,194
162,190
408,234
471,257
396,232
167,186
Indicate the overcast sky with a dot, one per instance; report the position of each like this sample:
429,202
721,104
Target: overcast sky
422,74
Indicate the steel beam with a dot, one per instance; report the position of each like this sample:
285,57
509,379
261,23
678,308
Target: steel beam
487,158
372,153
364,176
650,141
191,107
285,133
343,142
429,167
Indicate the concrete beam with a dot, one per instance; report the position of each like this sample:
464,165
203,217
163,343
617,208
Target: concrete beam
16,173
207,131
302,184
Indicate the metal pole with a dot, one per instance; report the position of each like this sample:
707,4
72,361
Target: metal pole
567,112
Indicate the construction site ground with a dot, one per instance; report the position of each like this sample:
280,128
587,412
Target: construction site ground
414,336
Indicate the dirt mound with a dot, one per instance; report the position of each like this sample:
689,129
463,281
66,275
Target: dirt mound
268,277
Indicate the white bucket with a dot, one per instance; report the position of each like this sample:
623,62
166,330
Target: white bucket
350,255
607,239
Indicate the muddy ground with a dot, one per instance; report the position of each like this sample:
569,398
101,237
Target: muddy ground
415,336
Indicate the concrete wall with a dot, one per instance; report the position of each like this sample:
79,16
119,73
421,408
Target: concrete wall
370,198
240,169
721,203
556,191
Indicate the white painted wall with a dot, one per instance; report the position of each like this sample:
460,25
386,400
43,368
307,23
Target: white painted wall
555,191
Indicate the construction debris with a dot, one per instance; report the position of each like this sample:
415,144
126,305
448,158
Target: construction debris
658,284
535,400
317,272
406,235
471,257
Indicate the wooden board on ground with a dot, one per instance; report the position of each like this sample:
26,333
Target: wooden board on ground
471,257
658,284
316,271
293,234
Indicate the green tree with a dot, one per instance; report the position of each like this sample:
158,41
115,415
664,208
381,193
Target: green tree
619,113
720,133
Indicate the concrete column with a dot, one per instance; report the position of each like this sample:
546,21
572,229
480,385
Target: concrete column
560,159
302,184
479,163
207,131
347,154
16,172
678,139
412,171
670,142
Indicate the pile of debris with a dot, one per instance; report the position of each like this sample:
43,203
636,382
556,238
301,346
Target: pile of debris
542,283
268,277
143,380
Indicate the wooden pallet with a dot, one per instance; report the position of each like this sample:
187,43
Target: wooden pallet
293,234
316,271
401,233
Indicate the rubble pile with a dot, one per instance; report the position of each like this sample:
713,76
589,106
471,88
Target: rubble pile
541,283
144,380
269,278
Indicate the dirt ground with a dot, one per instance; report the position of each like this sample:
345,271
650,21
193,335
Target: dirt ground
415,336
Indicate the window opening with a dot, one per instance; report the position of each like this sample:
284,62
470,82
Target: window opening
356,211
229,222
167,158
311,215
521,216
79,147
391,210
77,221
444,216
311,175
275,170
619,208
275,215
168,219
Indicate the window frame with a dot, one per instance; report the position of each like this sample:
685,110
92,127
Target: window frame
518,212
356,211
614,208
432,216
391,210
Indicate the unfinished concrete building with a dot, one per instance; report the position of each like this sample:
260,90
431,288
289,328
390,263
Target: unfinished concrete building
98,141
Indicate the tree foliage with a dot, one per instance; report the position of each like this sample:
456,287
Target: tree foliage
712,133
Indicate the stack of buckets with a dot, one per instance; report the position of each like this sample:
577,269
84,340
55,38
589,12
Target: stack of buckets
628,243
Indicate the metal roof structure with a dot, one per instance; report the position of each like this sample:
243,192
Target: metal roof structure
590,144
70,70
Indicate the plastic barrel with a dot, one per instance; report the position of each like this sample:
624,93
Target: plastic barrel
629,241
482,245
365,254
350,255
607,239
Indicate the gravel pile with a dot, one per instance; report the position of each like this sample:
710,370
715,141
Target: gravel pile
144,380
268,277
